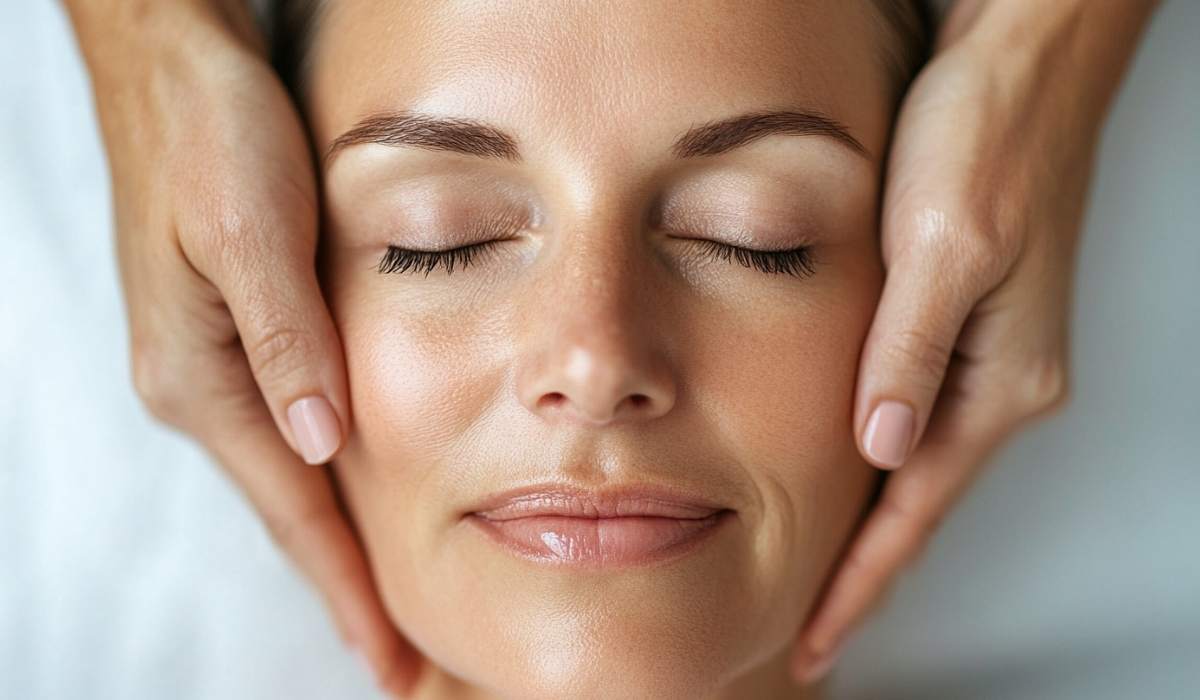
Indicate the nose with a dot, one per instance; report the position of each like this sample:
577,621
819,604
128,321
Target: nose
593,353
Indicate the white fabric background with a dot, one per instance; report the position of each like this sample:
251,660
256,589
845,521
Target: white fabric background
130,568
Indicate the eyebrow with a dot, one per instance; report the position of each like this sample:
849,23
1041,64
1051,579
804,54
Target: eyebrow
475,138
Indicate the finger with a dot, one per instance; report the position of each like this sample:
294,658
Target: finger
930,290
303,515
288,335
913,502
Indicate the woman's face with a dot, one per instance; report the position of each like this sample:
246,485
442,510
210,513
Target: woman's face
601,341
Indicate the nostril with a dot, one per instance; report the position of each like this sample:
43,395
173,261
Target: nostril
553,398
639,400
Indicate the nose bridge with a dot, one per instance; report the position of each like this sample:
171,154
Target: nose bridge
590,352
599,258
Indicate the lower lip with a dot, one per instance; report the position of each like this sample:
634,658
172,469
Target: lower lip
601,542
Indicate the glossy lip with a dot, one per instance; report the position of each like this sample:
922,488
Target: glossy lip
572,501
617,527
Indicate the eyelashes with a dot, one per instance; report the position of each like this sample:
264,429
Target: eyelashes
797,262
402,260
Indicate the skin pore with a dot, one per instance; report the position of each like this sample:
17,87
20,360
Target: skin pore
605,153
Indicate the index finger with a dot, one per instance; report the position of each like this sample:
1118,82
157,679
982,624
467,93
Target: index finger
911,506
301,510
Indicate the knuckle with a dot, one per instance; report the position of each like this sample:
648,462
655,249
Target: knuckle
1043,388
865,566
922,522
967,246
925,354
217,236
968,241
156,384
291,531
229,221
920,526
916,527
279,352
985,254
281,530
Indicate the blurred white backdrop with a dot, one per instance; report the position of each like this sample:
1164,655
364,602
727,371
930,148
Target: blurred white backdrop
131,569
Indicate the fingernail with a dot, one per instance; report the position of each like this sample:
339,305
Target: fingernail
315,428
889,432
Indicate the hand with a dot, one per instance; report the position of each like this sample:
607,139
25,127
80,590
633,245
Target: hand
987,180
231,340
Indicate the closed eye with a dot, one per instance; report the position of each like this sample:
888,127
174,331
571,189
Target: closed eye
403,260
797,262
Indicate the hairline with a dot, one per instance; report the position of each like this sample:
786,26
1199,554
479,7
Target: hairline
292,25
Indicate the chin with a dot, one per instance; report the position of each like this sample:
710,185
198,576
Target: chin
559,663
551,637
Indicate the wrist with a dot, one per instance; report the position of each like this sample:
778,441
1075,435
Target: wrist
1034,24
118,37
1077,50
155,63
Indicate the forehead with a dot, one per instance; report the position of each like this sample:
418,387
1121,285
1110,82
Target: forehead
594,74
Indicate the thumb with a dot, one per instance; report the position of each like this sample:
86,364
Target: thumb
930,290
291,343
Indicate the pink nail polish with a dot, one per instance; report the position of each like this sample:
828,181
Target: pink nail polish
889,432
315,428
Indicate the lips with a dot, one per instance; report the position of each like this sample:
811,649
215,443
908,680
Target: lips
617,527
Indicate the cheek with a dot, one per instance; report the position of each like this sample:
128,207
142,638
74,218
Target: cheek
420,375
415,385
783,374
779,387
418,383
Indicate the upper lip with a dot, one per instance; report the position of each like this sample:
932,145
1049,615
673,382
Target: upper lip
571,501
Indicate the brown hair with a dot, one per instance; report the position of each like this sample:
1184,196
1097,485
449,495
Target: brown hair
290,28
